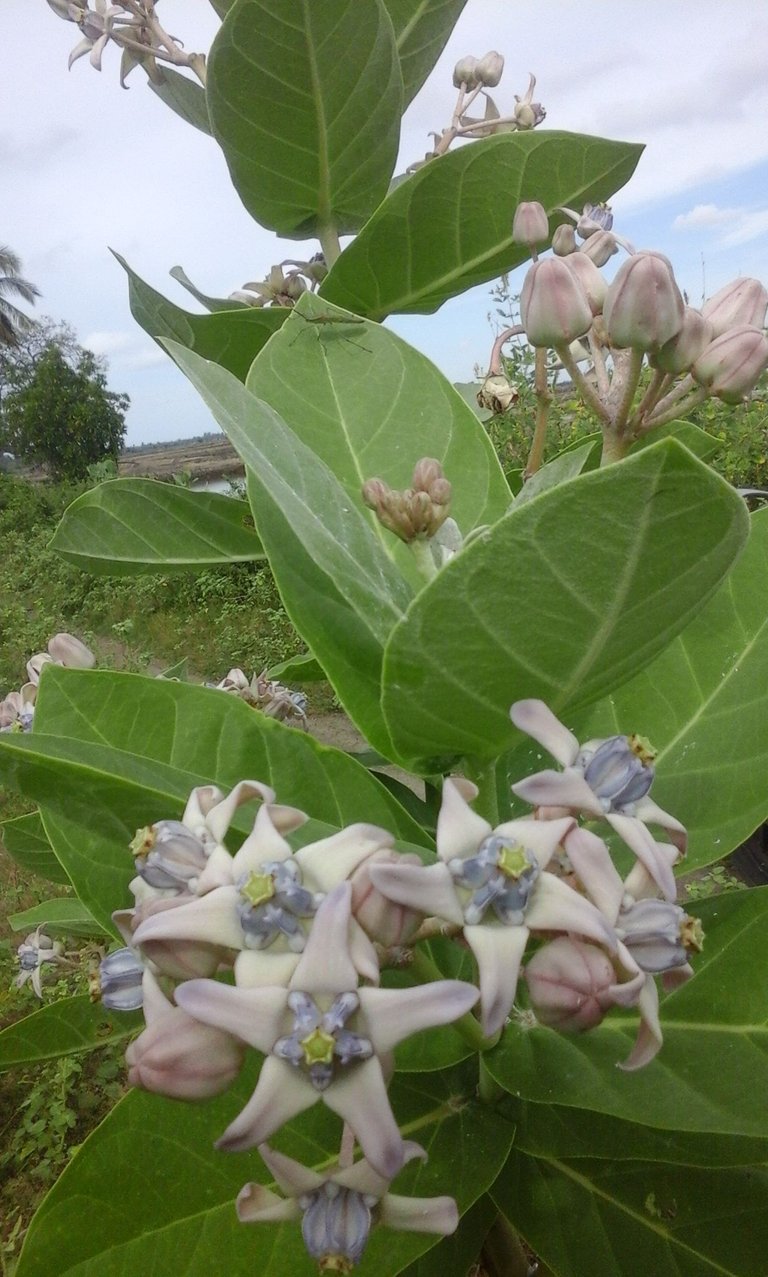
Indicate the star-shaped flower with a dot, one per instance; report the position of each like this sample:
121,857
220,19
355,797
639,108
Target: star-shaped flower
492,883
324,1038
602,779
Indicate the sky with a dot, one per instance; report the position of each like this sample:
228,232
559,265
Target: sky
86,165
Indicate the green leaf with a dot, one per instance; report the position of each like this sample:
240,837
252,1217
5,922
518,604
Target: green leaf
210,303
338,584
565,598
712,1070
231,338
305,100
184,96
67,1027
62,915
567,465
113,752
637,1218
26,841
369,405
704,704
551,1131
127,526
457,1254
701,444
156,1216
302,669
448,227
223,7
422,29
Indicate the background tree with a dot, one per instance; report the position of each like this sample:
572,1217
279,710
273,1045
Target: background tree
13,322
57,411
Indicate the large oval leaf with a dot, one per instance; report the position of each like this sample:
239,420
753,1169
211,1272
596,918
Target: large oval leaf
422,29
67,1027
27,843
305,100
126,526
449,226
565,598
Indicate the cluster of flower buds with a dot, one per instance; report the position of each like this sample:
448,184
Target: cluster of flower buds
612,328
281,287
134,27
418,515
472,76
300,931
17,710
267,695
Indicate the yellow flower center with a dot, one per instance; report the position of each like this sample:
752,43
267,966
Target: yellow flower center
318,1047
335,1264
642,748
514,861
143,841
692,933
258,888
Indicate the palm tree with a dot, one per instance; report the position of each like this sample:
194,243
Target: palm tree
13,322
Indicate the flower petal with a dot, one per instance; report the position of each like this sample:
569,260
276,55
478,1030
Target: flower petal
596,872
291,1177
259,968
360,1098
154,1002
212,919
649,1037
428,889
557,907
394,1014
256,1016
363,953
281,1093
639,884
459,829
332,860
326,966
255,1204
220,817
651,814
542,837
264,843
537,720
499,951
420,1214
362,1178
559,789
639,840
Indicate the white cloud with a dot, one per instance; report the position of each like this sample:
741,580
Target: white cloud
738,225
705,215
108,343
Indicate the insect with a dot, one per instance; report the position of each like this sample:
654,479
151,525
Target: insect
336,321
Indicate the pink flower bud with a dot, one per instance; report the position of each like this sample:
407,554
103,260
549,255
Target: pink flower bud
177,959
384,921
600,247
570,985
489,69
183,1059
733,363
564,240
743,301
67,650
644,307
589,277
530,225
553,306
679,354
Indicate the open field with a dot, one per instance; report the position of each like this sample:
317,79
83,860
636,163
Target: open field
209,457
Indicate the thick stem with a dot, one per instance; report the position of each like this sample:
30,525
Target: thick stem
628,391
587,392
424,558
658,385
543,402
614,447
329,242
503,1254
598,358
675,395
487,1087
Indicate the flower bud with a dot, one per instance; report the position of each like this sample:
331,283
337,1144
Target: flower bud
119,981
67,10
497,394
619,770
465,72
659,934
177,959
553,306
178,1056
743,301
35,666
570,985
387,923
417,512
733,363
528,115
679,354
644,307
600,247
67,650
589,277
564,240
530,224
169,856
489,69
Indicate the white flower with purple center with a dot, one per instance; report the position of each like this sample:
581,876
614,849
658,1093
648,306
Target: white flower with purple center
493,884
324,1019
602,779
